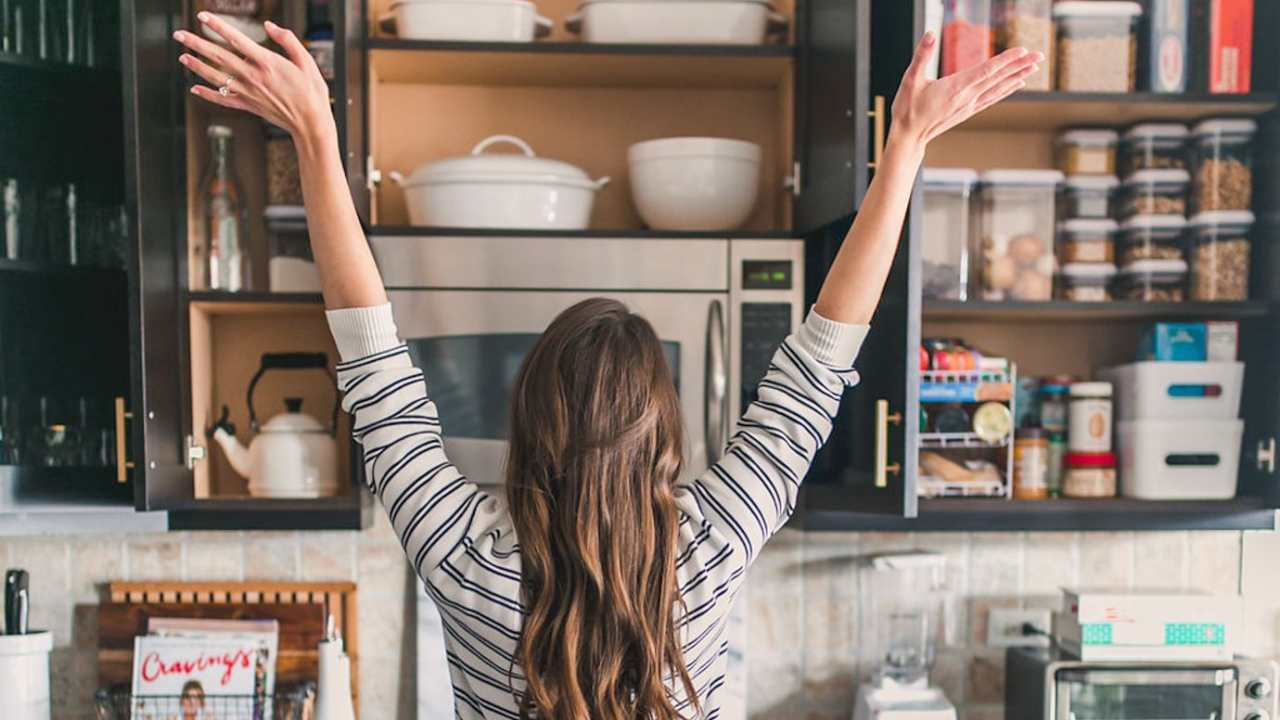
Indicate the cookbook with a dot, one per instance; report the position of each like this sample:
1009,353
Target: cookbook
203,668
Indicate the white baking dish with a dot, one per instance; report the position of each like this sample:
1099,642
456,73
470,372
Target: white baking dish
676,22
465,20
500,191
694,183
1179,459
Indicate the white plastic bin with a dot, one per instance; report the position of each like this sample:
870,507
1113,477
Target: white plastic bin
1177,390
1179,460
24,675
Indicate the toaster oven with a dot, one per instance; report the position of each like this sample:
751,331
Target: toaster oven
1043,683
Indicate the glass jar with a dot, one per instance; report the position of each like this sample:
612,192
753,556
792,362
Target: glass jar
1086,241
1087,197
1085,151
1154,146
1031,464
1155,192
1086,282
1053,404
1057,456
1097,51
1028,24
1089,424
1152,237
1222,164
1016,241
945,254
967,39
1219,250
1089,475
1152,281
284,182
290,267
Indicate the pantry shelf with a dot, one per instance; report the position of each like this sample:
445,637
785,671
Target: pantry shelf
1057,110
251,513
1065,310
425,231
254,303
574,64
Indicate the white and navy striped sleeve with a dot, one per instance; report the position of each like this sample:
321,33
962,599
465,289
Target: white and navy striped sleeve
432,506
751,492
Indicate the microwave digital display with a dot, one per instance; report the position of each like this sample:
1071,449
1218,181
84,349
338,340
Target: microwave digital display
766,274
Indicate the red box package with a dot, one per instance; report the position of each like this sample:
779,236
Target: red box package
1224,33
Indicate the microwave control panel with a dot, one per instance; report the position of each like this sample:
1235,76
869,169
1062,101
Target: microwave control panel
764,327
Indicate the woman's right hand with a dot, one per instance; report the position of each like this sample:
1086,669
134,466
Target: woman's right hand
286,90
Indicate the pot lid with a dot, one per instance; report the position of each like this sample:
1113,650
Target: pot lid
1089,136
1088,271
1092,182
292,420
1155,222
1087,226
949,177
1159,176
525,164
1022,177
1157,131
1095,8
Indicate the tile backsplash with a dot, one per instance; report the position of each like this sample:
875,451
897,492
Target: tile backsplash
801,599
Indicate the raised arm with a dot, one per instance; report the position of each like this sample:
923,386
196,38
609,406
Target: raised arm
923,109
288,91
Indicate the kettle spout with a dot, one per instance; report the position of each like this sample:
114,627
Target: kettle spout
224,433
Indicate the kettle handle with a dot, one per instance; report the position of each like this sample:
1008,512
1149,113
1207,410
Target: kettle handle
294,361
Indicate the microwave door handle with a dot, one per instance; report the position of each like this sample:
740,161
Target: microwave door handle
715,386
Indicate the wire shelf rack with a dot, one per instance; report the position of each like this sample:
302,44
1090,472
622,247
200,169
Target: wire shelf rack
293,703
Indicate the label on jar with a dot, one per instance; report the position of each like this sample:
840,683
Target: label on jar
1089,430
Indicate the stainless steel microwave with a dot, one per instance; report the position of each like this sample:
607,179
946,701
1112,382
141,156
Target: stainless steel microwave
1044,684
470,308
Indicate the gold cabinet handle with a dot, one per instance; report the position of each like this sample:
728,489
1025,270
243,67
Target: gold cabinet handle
883,419
877,130
123,465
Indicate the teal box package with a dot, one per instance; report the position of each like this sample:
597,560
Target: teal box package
1174,342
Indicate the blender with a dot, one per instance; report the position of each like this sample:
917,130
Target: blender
901,617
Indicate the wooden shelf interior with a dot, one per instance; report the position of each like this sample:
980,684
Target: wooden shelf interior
227,343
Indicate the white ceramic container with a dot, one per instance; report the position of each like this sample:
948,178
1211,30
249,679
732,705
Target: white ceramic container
694,183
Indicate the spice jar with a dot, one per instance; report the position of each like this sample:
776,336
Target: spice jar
967,39
1087,197
1222,162
1155,192
284,182
1086,282
1031,465
1017,216
1154,146
1053,404
1089,426
1152,281
1028,24
1086,241
1219,249
1097,51
1152,237
1084,151
1089,475
945,252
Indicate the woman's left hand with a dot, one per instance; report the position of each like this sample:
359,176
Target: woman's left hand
924,109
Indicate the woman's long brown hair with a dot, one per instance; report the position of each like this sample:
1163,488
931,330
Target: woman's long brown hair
594,456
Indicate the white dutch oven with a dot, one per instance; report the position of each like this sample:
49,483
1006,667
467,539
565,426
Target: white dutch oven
694,183
500,191
672,22
466,20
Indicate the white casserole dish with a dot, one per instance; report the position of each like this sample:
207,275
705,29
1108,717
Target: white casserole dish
500,191
694,183
676,22
465,20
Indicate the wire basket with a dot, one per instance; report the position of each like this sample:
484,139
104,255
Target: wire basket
296,702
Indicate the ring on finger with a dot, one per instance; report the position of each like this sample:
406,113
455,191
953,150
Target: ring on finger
225,89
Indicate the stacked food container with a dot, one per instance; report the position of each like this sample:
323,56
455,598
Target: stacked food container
945,253
1086,230
1016,238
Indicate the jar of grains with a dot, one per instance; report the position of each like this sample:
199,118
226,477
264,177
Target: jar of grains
1153,146
284,183
1086,282
967,39
1222,162
1086,241
1028,24
1152,281
1087,197
1089,475
1084,151
1097,50
1031,464
1089,424
1152,237
1155,192
1219,250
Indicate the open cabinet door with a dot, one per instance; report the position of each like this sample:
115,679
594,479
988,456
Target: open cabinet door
349,88
155,201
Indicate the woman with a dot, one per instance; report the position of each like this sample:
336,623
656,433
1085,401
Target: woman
599,586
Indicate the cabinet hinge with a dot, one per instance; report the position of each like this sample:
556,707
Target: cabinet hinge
1267,456
195,453
791,183
373,176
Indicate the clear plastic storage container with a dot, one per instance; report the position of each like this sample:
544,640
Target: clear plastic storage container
290,267
1154,146
1152,237
1155,192
946,232
1028,24
1097,49
1219,250
1016,239
1152,281
967,37
1087,197
1086,241
1222,164
1086,151
1086,282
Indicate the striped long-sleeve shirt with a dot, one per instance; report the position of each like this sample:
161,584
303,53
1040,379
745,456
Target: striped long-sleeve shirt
461,540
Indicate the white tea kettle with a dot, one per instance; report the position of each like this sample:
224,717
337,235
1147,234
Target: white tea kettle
293,455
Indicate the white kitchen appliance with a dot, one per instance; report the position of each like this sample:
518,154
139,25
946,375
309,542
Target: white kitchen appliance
470,308
902,615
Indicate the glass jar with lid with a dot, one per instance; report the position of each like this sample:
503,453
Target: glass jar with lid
290,267
1017,232
1087,197
1219,250
1222,164
1087,151
1053,403
967,36
1155,192
1154,146
1028,24
946,245
1089,422
1097,48
1152,281
1152,237
1089,475
1086,241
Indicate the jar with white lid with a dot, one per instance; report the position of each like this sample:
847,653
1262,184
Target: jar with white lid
1154,146
1222,164
946,245
1087,151
1087,197
1219,251
1089,423
1086,282
1152,281
1017,234
1086,241
1152,237
1097,47
1155,192
1089,475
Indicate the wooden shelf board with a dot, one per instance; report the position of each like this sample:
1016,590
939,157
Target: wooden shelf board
1064,310
1055,110
347,512
579,64
255,303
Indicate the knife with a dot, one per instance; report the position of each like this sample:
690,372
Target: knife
17,602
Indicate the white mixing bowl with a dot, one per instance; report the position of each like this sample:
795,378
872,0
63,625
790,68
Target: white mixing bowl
694,183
